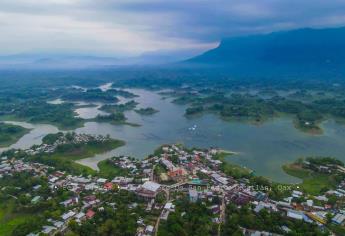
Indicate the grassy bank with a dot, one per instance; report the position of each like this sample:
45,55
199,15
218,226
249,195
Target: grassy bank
312,182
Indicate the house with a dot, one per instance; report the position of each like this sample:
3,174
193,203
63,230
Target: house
298,215
36,199
296,194
101,181
148,190
70,202
36,187
268,206
58,224
149,229
218,178
215,209
168,164
48,229
108,186
193,195
169,207
310,203
338,219
68,215
177,173
80,217
90,214
324,169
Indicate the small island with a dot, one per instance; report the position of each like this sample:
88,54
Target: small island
112,108
146,111
10,134
117,118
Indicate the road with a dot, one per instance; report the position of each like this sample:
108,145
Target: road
222,213
159,217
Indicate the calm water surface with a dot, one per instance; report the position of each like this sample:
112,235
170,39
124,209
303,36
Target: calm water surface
263,148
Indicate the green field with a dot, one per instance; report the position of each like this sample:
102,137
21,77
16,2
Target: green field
109,170
9,221
312,182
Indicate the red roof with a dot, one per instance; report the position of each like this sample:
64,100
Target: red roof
108,186
90,213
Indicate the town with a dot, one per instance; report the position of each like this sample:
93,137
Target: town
152,187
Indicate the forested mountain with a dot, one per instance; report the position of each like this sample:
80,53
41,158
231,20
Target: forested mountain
303,50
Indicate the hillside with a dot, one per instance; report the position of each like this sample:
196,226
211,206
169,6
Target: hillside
300,50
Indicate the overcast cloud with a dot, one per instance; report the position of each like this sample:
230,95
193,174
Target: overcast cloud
130,27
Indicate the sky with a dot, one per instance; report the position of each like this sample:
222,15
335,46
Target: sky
133,27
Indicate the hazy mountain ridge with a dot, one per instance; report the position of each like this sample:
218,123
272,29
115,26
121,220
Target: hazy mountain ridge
77,61
303,49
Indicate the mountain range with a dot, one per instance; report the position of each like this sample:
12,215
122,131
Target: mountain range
302,50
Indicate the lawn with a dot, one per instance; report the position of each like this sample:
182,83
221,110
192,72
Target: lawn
109,170
297,171
7,226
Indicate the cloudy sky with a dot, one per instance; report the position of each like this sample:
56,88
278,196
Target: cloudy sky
132,27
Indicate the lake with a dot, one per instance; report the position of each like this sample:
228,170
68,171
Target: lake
264,148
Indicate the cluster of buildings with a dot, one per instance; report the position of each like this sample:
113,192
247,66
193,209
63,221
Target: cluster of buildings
194,173
68,138
10,166
182,171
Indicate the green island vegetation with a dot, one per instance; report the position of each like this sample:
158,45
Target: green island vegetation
117,118
194,110
308,114
264,221
318,174
10,134
146,111
188,219
95,95
61,115
113,108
